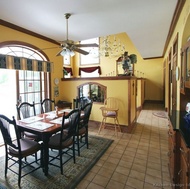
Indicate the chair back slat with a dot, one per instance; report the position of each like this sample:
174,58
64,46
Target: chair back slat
73,120
25,110
87,111
47,105
5,124
111,102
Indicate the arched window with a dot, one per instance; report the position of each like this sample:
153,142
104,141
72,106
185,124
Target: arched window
26,70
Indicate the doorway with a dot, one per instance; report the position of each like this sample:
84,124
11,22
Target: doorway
7,94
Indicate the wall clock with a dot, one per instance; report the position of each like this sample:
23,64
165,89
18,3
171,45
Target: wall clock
56,81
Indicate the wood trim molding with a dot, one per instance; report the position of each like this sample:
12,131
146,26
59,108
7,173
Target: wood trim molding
23,30
175,18
99,78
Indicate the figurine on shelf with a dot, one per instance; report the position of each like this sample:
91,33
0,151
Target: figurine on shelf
126,63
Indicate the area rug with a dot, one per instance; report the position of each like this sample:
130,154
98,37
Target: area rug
73,173
160,114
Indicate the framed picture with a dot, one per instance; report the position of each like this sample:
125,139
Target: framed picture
56,91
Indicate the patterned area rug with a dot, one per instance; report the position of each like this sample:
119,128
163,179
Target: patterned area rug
73,173
161,114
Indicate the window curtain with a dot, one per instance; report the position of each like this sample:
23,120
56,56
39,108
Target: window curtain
90,69
69,70
20,63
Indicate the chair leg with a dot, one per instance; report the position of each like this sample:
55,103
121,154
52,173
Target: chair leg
74,159
86,139
6,164
78,145
36,157
19,171
115,124
42,158
102,125
61,161
118,124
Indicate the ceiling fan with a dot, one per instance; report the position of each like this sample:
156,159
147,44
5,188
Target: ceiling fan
69,46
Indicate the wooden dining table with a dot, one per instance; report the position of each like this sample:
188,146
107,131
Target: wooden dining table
43,125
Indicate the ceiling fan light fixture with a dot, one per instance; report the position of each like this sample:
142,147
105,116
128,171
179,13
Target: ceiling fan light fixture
72,53
67,52
69,47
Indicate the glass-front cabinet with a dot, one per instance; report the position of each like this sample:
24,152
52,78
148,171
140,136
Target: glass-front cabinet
185,66
182,74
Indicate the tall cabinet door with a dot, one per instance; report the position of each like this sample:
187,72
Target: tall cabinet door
174,68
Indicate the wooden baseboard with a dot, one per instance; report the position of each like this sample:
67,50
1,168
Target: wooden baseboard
154,101
124,128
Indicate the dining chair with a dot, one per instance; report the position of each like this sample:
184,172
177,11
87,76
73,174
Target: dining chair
47,105
26,110
82,129
110,110
64,141
18,148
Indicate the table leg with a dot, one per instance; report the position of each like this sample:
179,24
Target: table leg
45,154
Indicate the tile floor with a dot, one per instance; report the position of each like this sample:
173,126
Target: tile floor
137,160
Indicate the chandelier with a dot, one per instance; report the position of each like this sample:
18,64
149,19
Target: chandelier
111,47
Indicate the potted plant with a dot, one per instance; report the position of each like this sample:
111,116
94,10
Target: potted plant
65,72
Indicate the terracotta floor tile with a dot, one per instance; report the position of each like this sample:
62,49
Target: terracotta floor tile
114,184
122,170
126,164
137,175
119,177
135,160
154,172
90,176
95,186
132,182
83,184
105,172
139,168
109,165
140,161
100,180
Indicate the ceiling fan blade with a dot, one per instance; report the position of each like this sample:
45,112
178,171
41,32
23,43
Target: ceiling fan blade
87,45
81,51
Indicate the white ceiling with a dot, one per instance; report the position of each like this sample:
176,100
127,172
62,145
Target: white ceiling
146,22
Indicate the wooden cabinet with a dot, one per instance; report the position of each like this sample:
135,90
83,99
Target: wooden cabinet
64,104
172,155
179,160
184,165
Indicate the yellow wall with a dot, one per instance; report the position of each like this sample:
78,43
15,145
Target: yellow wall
115,88
7,34
150,69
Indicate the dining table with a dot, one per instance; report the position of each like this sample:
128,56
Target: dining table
43,125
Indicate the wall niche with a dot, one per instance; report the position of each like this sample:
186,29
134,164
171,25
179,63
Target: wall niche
92,90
